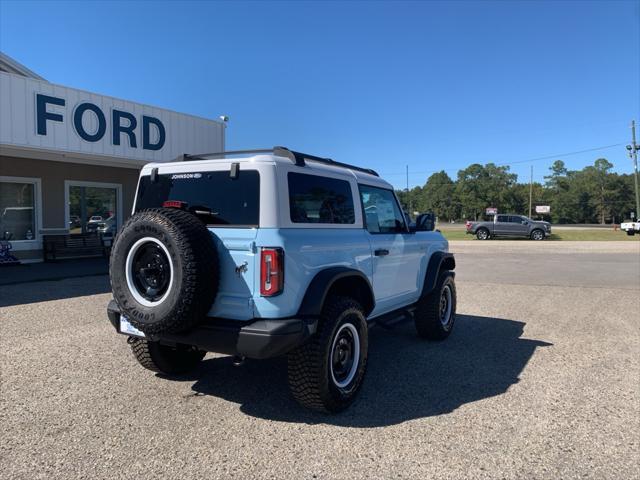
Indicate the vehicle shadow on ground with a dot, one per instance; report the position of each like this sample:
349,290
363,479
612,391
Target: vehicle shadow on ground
46,290
407,378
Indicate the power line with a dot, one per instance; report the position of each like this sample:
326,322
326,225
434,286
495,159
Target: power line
515,162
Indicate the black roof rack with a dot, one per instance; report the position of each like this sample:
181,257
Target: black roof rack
296,157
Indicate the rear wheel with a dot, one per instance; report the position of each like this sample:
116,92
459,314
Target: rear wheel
483,234
631,232
537,234
436,313
164,359
326,373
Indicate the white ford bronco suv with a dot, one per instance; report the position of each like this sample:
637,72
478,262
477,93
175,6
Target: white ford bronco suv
274,252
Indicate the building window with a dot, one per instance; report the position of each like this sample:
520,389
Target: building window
17,209
93,208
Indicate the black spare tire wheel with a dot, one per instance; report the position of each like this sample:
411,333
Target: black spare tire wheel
164,270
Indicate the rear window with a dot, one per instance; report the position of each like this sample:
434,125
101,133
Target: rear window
316,199
215,197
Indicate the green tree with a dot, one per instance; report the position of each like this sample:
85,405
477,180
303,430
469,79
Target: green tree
438,196
557,189
600,188
479,187
411,201
593,194
558,177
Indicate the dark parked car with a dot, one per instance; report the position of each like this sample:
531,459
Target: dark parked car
509,225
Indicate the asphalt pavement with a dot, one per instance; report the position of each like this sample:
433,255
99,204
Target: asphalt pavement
540,379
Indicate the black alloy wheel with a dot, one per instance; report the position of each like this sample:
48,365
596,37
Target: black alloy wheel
152,271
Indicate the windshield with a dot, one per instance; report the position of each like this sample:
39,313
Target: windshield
214,197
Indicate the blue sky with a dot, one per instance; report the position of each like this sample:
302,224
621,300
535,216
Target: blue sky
432,85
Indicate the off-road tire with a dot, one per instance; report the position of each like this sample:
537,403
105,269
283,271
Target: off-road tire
537,236
195,272
483,234
427,317
310,378
631,232
164,359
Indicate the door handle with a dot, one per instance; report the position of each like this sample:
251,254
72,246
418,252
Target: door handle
381,252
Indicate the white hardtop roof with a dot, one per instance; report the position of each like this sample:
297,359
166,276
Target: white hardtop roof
270,159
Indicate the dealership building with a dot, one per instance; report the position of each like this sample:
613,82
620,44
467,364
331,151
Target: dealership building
69,159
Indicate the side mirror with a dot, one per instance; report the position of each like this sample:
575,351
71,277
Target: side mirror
426,222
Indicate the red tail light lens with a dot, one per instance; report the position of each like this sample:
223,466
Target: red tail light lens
174,204
271,271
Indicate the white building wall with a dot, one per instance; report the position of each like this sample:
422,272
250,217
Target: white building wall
18,124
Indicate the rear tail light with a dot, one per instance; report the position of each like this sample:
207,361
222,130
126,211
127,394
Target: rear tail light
174,204
271,271
467,224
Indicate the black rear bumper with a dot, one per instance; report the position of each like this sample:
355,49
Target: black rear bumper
257,338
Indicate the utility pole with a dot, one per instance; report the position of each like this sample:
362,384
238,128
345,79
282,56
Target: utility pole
408,198
407,169
633,154
530,190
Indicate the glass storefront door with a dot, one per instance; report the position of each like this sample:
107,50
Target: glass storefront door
93,210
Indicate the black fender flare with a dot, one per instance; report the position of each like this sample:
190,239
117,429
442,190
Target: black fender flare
321,284
439,261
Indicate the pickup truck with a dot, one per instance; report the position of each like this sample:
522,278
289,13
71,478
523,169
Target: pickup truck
630,227
509,225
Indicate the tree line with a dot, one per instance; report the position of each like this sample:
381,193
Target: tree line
594,194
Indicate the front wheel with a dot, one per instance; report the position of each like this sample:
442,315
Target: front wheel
435,314
164,359
537,235
326,373
483,234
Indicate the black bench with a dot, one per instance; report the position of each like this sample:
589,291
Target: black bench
73,246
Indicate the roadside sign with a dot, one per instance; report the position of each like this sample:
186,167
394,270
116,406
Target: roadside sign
543,209
491,211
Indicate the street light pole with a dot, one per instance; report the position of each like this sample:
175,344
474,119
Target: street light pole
530,190
633,154
408,197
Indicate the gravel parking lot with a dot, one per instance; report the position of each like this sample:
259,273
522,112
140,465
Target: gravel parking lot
541,379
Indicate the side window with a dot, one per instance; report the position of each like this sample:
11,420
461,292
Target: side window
514,219
502,219
316,199
381,210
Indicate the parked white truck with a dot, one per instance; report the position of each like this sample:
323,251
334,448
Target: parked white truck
630,227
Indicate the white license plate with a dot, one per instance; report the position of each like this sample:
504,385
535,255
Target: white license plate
128,329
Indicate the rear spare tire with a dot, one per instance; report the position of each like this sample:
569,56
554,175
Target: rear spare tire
164,270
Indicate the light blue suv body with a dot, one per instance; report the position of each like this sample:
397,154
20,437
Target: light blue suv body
396,279
291,231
